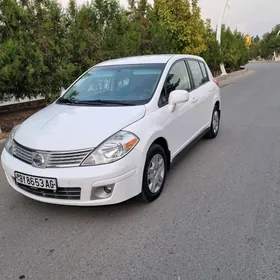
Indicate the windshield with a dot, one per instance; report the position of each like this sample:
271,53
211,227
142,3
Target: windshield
115,85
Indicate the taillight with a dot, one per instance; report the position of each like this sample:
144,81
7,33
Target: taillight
216,82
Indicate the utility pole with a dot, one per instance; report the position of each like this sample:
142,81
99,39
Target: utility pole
219,36
275,51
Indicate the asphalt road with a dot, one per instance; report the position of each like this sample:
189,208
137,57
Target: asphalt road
218,217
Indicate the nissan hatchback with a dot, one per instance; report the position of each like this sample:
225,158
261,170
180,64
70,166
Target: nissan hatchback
114,132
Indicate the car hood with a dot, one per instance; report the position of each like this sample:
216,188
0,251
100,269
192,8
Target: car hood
62,127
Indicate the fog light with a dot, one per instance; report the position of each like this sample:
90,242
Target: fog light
108,189
102,192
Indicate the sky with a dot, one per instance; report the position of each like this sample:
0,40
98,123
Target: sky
253,17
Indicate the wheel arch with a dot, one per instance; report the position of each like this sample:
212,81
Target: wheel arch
218,105
164,144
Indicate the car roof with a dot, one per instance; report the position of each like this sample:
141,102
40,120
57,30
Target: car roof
144,59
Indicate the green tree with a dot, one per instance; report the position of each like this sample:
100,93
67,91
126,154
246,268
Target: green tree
21,61
255,49
49,34
151,35
234,51
212,54
184,24
270,43
44,47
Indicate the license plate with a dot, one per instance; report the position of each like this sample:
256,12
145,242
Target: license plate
36,182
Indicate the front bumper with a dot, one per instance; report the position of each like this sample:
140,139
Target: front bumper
124,175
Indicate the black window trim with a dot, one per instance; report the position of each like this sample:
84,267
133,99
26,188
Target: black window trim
190,75
164,88
197,60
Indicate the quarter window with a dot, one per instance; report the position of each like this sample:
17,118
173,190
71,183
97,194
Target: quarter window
197,73
177,78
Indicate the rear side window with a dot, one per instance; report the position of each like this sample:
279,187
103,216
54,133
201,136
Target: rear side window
204,72
198,76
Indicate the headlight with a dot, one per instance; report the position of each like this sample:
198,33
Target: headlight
113,149
10,140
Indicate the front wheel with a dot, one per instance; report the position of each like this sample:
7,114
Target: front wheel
215,124
154,173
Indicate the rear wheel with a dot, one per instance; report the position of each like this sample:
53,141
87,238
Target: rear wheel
154,173
215,124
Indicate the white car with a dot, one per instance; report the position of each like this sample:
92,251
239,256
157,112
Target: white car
114,132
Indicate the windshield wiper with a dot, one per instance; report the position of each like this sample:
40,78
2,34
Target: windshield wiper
67,101
103,101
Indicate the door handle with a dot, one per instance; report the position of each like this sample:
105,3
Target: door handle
194,100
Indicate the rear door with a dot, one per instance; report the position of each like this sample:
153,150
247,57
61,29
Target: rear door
201,98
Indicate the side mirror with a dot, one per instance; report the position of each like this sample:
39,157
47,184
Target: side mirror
176,97
62,91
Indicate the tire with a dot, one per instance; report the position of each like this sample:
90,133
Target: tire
151,191
215,124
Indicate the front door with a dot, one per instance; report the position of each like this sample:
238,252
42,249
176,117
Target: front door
179,125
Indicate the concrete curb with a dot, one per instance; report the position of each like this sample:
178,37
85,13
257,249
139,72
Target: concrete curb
233,74
232,77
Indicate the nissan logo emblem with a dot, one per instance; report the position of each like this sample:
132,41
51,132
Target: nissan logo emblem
38,160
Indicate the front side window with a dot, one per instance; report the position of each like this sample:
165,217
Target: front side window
115,85
196,73
177,78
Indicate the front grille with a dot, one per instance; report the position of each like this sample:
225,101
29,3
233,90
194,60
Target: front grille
60,193
51,159
22,153
66,159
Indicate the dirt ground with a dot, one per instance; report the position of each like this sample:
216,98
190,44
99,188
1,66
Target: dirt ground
9,120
